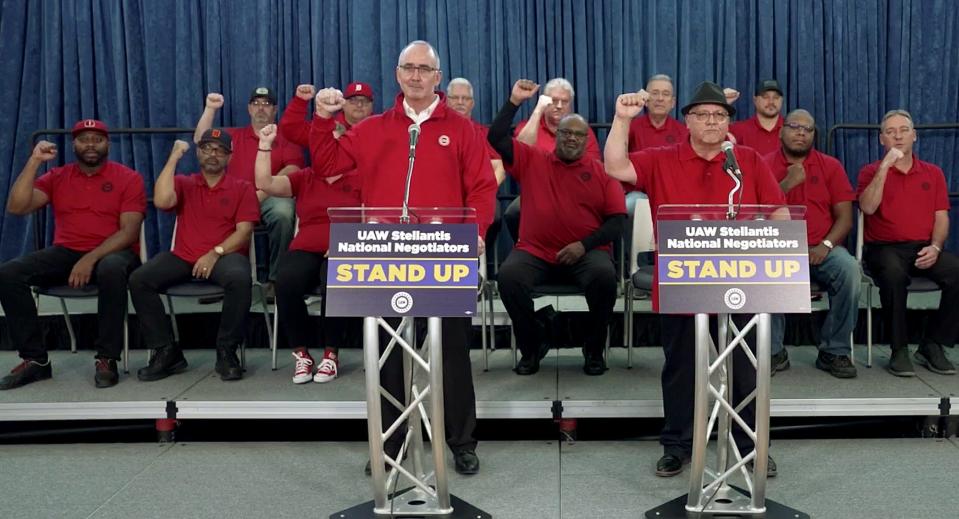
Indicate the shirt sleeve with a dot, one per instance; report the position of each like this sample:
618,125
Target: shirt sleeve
296,181
44,182
592,147
615,197
644,164
290,155
942,192
840,190
478,181
293,123
331,156
865,177
179,183
134,195
248,208
768,191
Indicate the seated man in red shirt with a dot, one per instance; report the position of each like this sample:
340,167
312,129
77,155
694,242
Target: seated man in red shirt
97,205
303,267
906,207
572,211
761,131
215,216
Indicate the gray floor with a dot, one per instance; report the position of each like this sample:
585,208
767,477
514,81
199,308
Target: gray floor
847,479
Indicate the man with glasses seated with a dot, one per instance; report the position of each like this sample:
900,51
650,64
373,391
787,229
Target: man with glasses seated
572,212
295,127
761,131
215,215
98,206
656,127
690,172
819,182
906,205
278,214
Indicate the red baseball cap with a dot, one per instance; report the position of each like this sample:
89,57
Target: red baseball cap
90,125
358,88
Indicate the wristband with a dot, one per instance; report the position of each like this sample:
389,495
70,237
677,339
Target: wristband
266,150
934,246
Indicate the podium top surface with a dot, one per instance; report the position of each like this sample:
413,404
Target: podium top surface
721,211
417,215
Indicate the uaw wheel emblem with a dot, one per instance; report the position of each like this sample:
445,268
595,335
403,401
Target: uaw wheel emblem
444,140
401,302
734,298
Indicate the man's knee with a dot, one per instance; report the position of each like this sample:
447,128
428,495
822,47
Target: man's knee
114,266
281,213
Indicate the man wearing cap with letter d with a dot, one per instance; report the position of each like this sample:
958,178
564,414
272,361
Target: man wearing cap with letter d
98,206
296,128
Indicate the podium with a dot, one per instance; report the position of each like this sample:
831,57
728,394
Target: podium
405,263
726,260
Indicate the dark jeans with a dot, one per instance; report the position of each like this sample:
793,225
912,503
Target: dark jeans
679,380
891,265
51,267
594,274
232,272
300,273
460,398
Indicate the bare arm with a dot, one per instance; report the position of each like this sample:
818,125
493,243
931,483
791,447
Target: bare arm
871,196
615,154
529,132
498,170
164,192
278,185
24,198
214,102
129,231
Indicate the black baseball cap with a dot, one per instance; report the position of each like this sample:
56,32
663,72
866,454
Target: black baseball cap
263,92
766,85
218,136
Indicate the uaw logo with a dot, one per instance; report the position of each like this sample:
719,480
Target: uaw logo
401,302
670,139
224,201
926,186
444,140
585,176
106,187
814,179
734,298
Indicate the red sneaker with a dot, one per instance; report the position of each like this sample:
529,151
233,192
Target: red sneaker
329,367
303,369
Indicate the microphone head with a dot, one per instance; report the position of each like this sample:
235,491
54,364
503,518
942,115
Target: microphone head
414,128
726,146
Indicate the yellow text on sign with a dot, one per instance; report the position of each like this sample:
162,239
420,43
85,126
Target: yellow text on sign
730,269
407,273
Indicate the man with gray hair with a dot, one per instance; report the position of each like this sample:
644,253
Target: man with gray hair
459,97
906,206
656,127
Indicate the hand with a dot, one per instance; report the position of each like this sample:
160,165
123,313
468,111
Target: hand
81,272
204,266
795,174
927,257
891,157
543,103
328,102
267,135
44,151
571,253
629,105
179,149
214,101
305,92
261,195
480,246
522,90
731,95
818,254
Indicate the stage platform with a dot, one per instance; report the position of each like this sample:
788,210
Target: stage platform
828,479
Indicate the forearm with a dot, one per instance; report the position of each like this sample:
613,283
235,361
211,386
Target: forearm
239,239
528,134
164,192
21,193
940,229
323,146
278,185
611,230
499,136
842,224
293,124
204,124
126,236
498,170
616,157
871,197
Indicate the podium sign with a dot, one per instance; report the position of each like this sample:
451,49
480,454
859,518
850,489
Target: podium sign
402,270
733,266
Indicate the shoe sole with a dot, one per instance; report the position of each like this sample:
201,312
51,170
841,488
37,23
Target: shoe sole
21,384
668,473
924,362
303,380
104,385
904,374
323,380
837,374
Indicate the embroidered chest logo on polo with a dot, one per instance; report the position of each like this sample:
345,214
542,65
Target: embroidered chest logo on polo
224,201
347,188
585,176
106,187
444,140
926,186
671,139
813,180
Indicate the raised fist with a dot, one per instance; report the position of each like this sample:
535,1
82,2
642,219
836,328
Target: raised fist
44,151
629,105
305,92
543,103
214,101
180,148
892,156
522,90
795,174
267,134
731,95
328,102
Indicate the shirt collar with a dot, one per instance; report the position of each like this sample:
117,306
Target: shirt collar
200,180
420,118
686,152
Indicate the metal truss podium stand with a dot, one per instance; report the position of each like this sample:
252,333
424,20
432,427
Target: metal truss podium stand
423,490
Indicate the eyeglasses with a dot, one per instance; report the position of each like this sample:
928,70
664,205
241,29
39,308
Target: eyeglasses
459,99
719,117
896,131
565,133
261,102
213,149
359,100
796,127
409,69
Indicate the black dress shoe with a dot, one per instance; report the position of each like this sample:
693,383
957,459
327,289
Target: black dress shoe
527,365
594,364
670,465
165,361
227,364
466,462
106,373
26,372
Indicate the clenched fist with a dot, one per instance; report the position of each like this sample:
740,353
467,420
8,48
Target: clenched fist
214,101
179,149
731,95
629,105
328,102
267,134
44,151
305,92
543,103
891,157
522,90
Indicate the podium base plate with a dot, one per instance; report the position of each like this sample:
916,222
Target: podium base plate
461,510
676,509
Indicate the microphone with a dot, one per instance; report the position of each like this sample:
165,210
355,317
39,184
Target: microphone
414,131
732,169
731,163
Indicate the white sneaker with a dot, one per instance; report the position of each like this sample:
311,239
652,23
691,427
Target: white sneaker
303,369
328,368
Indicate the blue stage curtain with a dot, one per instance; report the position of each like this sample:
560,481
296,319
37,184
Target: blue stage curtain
149,63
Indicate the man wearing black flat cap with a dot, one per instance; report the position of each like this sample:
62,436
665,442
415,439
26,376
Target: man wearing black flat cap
761,131
689,172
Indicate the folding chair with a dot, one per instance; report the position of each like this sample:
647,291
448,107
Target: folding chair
640,276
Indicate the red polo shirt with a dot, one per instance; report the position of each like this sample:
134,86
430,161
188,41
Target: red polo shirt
642,133
314,195
452,167
208,215
909,202
676,175
245,145
87,208
751,133
562,203
482,130
826,185
546,139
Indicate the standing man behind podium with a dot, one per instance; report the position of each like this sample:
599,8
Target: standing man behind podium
690,173
452,170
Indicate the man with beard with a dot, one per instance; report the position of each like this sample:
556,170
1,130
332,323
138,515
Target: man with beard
295,127
278,214
819,182
98,206
761,131
687,173
656,127
906,206
452,170
215,215
572,212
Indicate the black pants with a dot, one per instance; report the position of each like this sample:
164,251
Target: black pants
679,381
594,274
299,273
51,267
232,272
460,399
891,265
